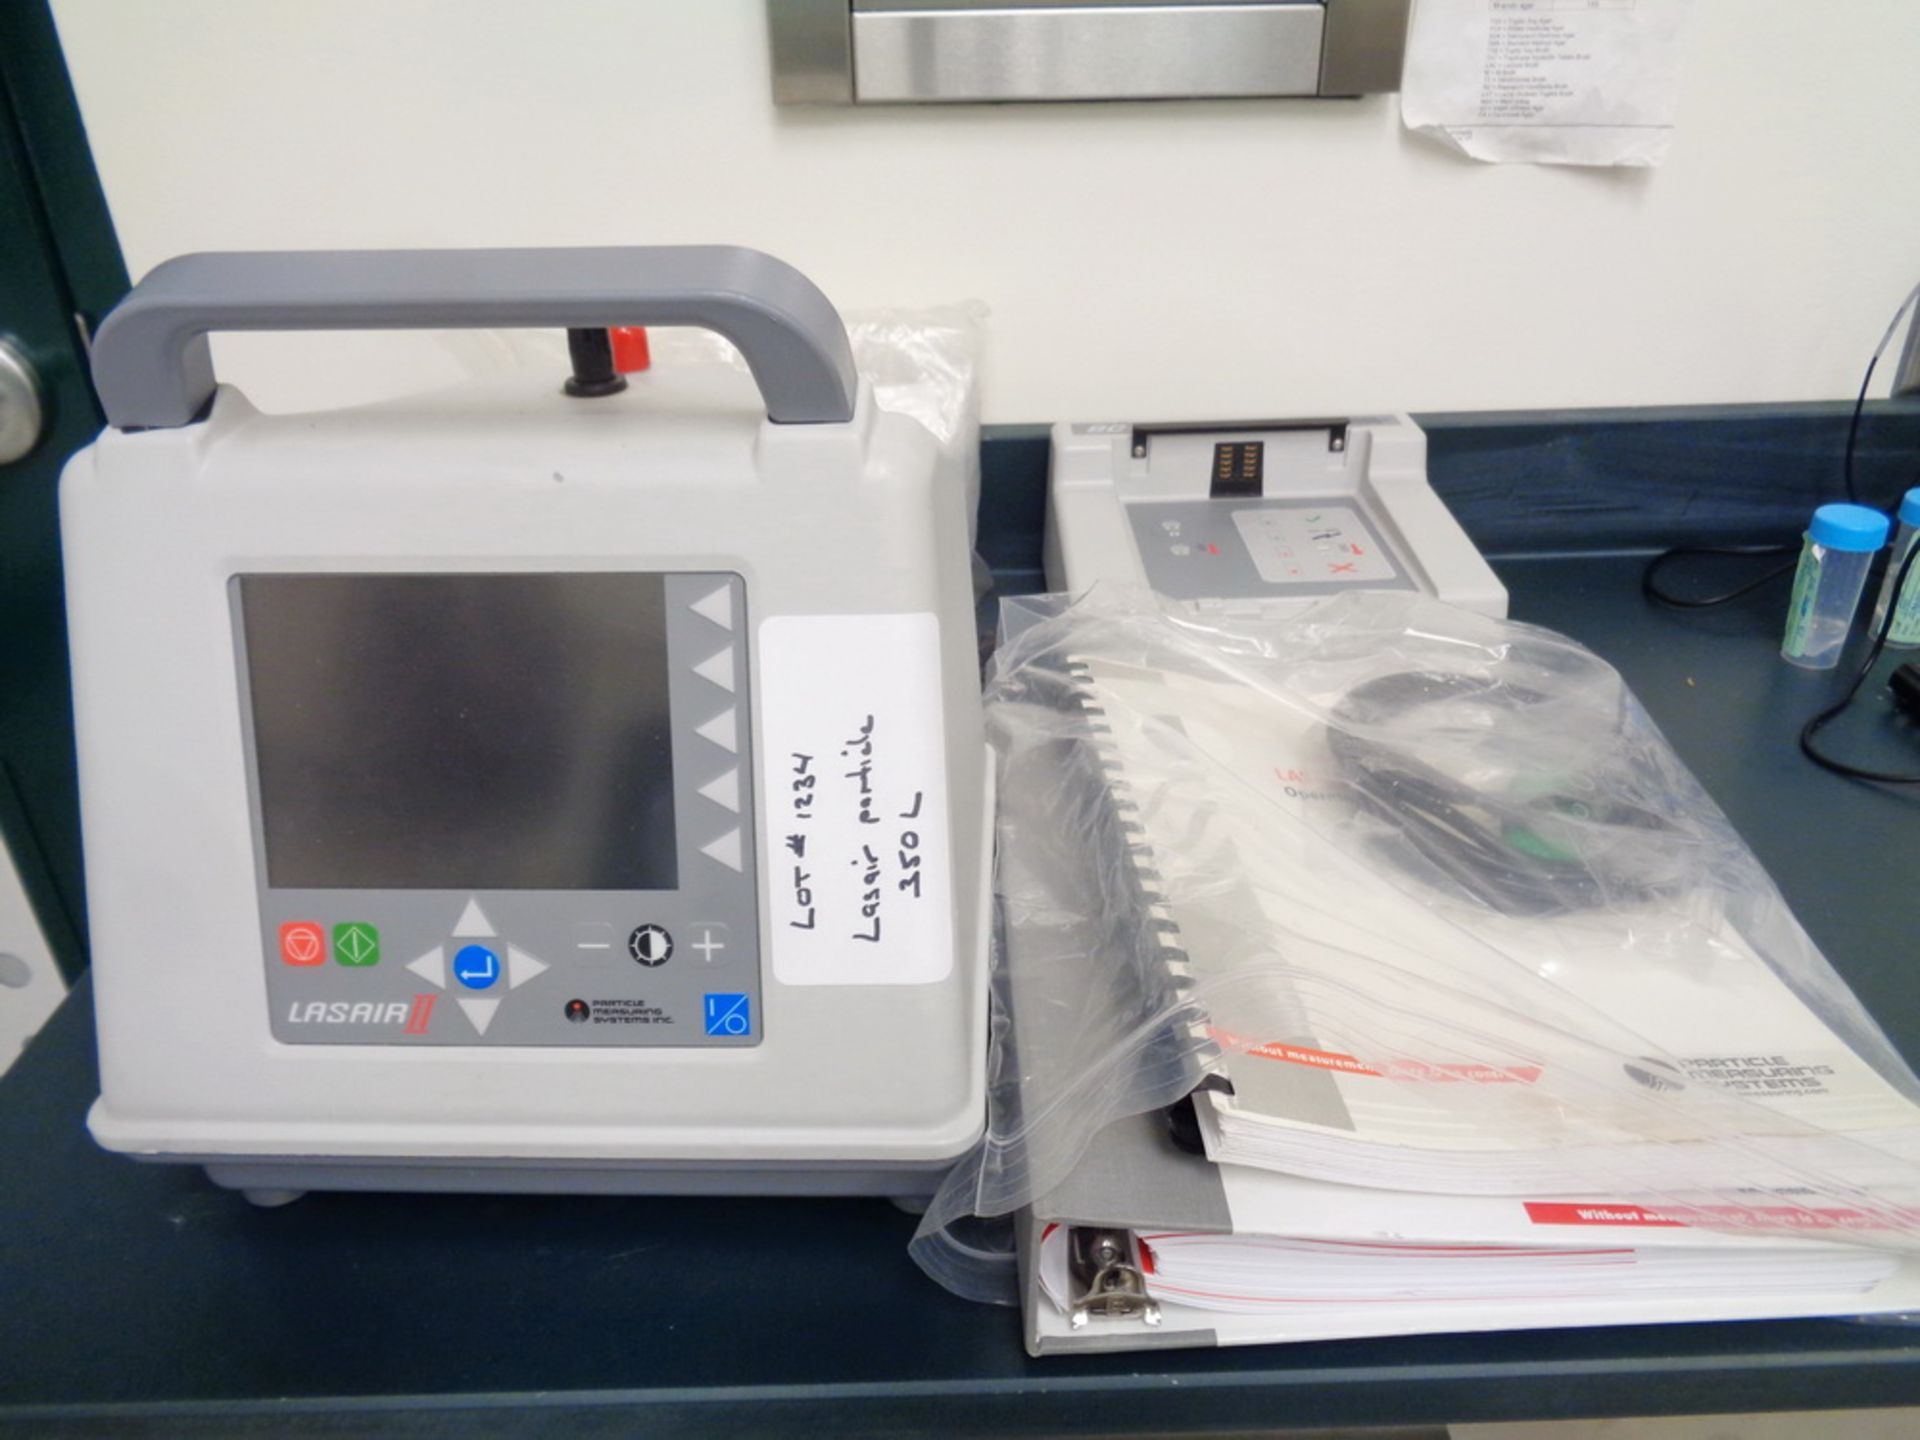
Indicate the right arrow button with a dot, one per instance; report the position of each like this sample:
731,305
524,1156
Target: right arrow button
522,967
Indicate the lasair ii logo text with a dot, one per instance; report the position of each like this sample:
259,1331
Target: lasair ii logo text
413,1017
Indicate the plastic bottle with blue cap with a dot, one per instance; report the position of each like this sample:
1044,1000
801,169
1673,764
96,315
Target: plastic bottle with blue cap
1841,543
1906,619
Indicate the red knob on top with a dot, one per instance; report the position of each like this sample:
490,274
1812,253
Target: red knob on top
630,350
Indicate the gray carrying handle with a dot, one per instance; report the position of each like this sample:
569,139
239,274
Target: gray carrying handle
152,366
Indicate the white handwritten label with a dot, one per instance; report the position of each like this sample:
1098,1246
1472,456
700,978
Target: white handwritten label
853,780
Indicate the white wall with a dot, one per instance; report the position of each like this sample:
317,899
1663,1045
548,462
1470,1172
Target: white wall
1139,260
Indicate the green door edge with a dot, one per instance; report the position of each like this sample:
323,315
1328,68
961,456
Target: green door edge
33,72
47,154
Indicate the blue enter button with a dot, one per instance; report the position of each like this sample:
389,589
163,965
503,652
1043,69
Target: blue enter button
476,967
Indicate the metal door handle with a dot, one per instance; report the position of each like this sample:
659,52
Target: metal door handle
22,418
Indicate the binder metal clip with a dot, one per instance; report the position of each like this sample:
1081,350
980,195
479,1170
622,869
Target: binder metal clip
1106,1281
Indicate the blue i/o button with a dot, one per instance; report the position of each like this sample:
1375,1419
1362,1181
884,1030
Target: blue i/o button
728,1014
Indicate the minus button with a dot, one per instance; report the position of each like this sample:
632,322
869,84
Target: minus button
593,935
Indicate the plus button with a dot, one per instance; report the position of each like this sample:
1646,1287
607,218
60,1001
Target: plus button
706,944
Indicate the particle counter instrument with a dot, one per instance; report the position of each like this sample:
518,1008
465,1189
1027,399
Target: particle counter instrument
1257,517
527,786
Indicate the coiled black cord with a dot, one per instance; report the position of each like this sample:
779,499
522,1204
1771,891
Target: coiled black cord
1488,844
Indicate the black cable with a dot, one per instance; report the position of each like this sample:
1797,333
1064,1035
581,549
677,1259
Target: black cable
1651,588
1860,400
1853,425
1818,722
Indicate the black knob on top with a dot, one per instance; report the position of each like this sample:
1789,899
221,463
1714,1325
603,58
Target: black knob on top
591,351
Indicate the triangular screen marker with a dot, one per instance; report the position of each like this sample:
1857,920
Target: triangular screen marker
718,669
726,850
724,790
717,607
722,730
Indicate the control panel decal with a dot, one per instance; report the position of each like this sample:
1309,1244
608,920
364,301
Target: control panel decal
633,902
853,775
1313,544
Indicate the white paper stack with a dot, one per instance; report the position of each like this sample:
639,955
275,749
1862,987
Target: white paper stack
1303,1260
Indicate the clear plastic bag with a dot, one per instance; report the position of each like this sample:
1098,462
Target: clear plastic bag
1416,899
921,362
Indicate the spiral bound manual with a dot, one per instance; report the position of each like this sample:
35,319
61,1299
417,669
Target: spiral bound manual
1161,964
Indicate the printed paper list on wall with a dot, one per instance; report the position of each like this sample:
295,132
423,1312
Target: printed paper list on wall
854,780
1558,82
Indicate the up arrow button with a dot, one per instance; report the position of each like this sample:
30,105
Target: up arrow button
473,923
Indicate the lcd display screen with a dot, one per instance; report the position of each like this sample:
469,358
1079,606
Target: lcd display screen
461,732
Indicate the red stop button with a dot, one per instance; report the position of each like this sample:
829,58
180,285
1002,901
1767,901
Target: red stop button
303,942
